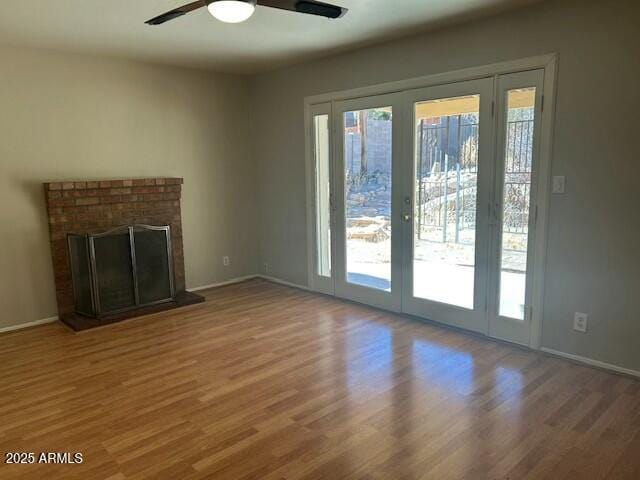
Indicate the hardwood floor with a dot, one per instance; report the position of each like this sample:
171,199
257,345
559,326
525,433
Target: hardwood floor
268,382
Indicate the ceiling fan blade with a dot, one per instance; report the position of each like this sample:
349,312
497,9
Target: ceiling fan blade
306,6
176,12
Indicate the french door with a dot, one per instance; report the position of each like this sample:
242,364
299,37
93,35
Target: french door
425,201
517,188
446,241
368,253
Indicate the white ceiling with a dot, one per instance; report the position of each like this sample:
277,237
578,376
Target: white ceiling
270,39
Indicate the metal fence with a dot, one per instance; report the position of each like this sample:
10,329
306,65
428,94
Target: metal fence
446,177
517,181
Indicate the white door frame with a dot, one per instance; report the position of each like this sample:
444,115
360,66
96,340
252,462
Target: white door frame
547,62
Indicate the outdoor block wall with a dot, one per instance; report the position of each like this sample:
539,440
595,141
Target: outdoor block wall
96,206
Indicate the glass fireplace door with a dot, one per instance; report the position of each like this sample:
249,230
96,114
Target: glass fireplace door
153,266
121,269
114,272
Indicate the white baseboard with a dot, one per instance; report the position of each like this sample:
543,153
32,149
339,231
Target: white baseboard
222,284
283,282
249,277
591,362
35,323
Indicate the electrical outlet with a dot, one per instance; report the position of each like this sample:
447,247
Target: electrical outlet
559,182
225,261
266,267
580,322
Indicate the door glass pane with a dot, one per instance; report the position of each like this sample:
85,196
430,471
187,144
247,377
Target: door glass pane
322,189
367,170
516,196
445,189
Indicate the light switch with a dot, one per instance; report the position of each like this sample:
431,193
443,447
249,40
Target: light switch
559,183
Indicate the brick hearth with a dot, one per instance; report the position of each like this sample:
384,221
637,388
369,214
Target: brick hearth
96,206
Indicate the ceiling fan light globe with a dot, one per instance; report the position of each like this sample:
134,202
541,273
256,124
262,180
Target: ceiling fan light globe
232,11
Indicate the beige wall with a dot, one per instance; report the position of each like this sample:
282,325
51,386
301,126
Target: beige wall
594,238
73,117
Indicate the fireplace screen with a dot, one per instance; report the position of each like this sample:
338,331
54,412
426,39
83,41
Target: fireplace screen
122,269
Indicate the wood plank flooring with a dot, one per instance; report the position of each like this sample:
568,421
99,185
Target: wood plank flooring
267,382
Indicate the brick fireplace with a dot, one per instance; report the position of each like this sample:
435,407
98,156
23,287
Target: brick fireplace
87,207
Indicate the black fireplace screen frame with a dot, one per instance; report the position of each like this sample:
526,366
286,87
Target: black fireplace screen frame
90,253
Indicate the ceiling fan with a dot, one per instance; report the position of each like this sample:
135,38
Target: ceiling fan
235,11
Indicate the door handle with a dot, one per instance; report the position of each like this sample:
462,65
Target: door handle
406,217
